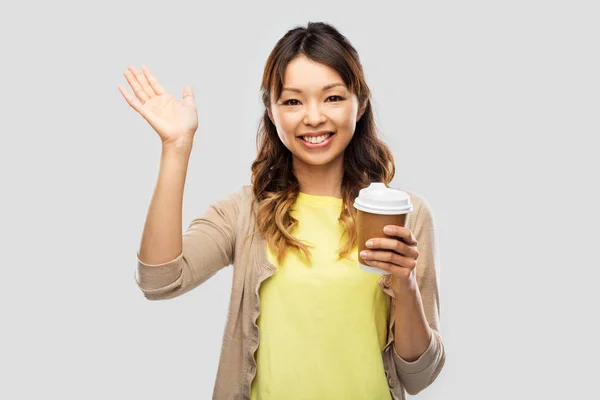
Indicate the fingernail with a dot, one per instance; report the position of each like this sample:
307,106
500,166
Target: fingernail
363,254
369,243
387,229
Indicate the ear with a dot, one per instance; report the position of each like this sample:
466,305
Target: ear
362,110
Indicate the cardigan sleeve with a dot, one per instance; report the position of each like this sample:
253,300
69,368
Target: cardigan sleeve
208,246
419,374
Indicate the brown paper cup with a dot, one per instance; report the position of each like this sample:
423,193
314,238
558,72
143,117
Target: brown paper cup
370,226
378,206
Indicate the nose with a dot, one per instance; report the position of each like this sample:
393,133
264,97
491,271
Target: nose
314,116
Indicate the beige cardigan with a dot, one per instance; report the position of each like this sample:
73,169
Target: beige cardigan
218,239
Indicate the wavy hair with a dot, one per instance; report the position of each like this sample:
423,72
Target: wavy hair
366,158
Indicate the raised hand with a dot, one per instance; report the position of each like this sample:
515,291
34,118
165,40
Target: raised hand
175,122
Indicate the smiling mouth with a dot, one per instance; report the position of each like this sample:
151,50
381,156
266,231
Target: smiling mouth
316,140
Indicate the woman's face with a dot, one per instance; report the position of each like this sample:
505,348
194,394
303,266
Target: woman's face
314,99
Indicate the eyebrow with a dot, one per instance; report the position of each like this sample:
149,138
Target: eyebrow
327,87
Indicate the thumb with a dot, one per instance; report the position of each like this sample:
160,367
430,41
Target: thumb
188,96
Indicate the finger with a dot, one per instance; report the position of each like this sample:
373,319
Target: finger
390,257
142,81
188,97
394,245
401,232
133,102
156,86
381,265
135,86
389,267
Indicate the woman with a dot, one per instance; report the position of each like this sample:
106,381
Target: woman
304,321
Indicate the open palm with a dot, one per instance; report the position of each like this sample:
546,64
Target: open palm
175,122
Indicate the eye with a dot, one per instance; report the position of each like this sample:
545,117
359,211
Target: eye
288,102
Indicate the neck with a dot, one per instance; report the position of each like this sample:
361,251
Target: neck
320,180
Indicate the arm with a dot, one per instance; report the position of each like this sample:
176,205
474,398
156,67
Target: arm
161,239
418,350
412,334
169,263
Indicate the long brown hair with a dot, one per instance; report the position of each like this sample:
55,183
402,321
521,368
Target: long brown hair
366,158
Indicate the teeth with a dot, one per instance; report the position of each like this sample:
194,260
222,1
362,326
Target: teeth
316,140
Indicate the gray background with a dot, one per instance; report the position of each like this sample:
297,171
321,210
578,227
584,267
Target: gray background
491,109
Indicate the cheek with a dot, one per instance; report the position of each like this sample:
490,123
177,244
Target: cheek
290,122
286,125
344,119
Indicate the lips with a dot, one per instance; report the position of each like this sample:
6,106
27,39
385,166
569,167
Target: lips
323,144
325,134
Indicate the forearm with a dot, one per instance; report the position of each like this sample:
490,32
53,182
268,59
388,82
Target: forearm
162,235
412,333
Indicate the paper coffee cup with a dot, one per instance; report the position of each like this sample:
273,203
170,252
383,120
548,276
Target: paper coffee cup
377,206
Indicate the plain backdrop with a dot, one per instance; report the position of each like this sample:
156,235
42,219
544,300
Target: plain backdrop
490,108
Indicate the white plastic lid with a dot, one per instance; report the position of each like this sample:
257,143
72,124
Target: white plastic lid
379,199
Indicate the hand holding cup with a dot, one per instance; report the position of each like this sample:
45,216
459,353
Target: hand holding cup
393,251
396,254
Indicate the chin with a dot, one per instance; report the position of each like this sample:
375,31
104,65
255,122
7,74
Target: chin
317,160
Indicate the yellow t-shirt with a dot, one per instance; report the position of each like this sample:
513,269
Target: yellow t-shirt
323,325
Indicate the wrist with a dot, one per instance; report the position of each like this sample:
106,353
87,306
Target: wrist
407,292
181,148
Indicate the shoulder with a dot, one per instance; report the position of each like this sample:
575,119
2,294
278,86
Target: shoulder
422,213
247,191
240,195
418,200
246,195
232,204
246,199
